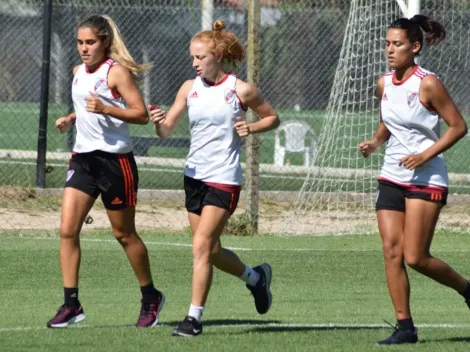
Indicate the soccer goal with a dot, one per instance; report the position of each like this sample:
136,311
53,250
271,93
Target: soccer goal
338,194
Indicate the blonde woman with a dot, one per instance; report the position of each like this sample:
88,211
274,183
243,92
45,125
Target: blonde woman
106,99
216,101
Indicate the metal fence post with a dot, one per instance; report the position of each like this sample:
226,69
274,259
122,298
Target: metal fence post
252,178
46,64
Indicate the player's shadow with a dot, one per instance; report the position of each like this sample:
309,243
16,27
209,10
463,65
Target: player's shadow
449,339
231,322
287,328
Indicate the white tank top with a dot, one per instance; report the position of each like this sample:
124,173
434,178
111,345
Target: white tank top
98,131
214,154
414,127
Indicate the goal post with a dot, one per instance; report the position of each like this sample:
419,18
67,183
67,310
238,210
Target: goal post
338,193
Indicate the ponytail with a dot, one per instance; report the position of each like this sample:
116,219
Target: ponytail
414,27
104,28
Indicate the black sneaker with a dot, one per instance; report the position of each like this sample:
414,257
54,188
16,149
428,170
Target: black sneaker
66,316
400,336
467,300
189,327
261,291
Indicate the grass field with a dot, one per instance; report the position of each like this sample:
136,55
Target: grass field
329,295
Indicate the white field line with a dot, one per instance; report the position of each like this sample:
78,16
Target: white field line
188,245
255,325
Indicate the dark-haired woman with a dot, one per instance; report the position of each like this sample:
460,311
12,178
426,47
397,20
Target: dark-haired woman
413,182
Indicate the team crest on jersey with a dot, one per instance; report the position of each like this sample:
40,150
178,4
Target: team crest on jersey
99,83
229,95
69,174
412,98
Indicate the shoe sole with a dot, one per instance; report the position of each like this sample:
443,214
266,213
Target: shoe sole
269,273
76,319
177,333
160,307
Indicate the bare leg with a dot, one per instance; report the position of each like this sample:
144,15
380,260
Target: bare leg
123,224
421,219
222,258
391,225
75,207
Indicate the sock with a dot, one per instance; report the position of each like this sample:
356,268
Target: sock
149,292
196,312
466,292
71,297
250,276
406,324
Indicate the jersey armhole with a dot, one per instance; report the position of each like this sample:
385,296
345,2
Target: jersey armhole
114,92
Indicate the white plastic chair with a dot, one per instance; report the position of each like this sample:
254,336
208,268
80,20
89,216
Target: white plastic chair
296,133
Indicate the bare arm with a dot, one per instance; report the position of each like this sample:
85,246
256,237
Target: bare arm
165,125
120,81
434,94
250,97
382,134
65,122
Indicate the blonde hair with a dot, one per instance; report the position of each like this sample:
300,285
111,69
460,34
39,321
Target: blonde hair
105,28
225,44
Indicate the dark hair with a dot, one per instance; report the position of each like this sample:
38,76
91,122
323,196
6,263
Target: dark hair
414,27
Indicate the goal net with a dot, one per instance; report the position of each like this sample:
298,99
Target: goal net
338,194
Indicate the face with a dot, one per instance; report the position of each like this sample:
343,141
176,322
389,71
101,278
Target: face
91,49
205,62
400,51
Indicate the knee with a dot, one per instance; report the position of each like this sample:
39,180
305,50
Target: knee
202,249
124,237
416,261
67,233
392,251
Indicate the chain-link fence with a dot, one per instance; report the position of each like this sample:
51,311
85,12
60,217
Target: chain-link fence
300,40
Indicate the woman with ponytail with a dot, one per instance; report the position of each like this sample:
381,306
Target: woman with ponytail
106,100
413,183
216,101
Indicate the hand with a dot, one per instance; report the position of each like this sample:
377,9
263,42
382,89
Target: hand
368,147
94,104
157,115
63,123
242,127
412,161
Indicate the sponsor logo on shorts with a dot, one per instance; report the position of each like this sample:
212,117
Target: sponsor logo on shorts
116,201
69,174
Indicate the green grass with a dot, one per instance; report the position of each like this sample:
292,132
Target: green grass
316,280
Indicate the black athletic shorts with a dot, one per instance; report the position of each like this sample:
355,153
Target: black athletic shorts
391,196
114,176
199,194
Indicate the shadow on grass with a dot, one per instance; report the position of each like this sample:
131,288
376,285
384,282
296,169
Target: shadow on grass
287,328
450,339
230,322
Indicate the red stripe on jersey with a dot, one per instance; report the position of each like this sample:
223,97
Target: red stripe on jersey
417,188
398,83
213,84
